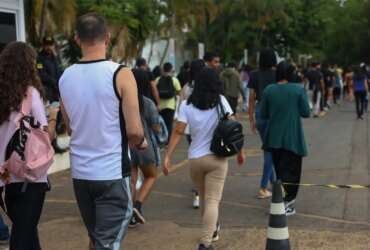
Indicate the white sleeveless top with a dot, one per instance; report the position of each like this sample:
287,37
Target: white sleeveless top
98,146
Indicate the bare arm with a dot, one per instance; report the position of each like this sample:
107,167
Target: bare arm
65,118
127,89
50,128
174,141
155,92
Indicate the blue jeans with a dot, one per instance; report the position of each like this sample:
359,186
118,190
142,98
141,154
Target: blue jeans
268,164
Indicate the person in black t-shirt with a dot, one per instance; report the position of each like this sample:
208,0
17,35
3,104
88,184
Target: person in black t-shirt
152,92
329,80
259,80
316,82
50,70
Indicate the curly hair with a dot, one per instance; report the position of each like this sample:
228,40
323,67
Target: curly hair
17,72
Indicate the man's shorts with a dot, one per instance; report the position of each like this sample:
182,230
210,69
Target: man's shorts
106,209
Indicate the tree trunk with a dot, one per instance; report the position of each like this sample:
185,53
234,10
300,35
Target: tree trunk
165,52
140,49
151,48
42,20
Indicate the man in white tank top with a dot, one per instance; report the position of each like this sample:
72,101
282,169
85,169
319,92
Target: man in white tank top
100,106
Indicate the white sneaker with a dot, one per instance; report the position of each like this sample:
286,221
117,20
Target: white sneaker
216,233
196,201
290,211
289,208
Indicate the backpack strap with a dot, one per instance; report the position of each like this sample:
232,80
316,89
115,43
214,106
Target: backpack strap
221,110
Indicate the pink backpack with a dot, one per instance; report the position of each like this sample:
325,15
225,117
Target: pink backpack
29,153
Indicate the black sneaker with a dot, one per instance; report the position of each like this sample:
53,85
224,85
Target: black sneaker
133,222
139,216
216,234
203,247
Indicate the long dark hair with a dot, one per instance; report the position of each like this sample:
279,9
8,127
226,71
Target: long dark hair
207,90
17,72
267,59
143,86
285,71
157,71
195,67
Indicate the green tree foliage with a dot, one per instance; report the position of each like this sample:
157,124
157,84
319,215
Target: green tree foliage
323,28
348,36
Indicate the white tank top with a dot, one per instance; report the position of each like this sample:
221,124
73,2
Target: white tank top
98,147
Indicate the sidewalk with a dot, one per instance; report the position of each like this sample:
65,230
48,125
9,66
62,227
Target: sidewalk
326,218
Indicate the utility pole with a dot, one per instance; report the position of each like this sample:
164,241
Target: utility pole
172,48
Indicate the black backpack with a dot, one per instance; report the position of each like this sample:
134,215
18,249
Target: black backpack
165,87
228,137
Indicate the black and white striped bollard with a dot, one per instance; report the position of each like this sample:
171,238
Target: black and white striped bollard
277,232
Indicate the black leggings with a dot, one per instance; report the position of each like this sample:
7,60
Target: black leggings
336,94
233,101
167,115
24,210
288,167
360,97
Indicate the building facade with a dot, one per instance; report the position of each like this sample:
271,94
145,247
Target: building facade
12,27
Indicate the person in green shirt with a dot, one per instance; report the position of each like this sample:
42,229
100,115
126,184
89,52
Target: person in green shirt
232,85
167,95
283,104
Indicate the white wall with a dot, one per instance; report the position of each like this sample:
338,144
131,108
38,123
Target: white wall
17,7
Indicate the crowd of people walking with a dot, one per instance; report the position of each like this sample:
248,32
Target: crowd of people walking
120,119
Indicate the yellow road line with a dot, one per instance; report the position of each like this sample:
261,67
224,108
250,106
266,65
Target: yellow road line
242,205
246,205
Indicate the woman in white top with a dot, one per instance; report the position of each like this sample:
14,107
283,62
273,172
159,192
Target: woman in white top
195,67
207,170
19,78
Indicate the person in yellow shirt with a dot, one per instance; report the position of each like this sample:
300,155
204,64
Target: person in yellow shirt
168,88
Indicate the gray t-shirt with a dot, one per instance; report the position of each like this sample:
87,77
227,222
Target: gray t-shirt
150,118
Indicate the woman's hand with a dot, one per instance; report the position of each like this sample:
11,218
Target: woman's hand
241,158
174,141
166,165
5,176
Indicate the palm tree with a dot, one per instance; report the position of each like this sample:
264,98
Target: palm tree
49,17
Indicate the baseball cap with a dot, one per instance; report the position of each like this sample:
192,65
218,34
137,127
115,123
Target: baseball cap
48,40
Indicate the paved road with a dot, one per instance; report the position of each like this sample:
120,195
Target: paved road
326,218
